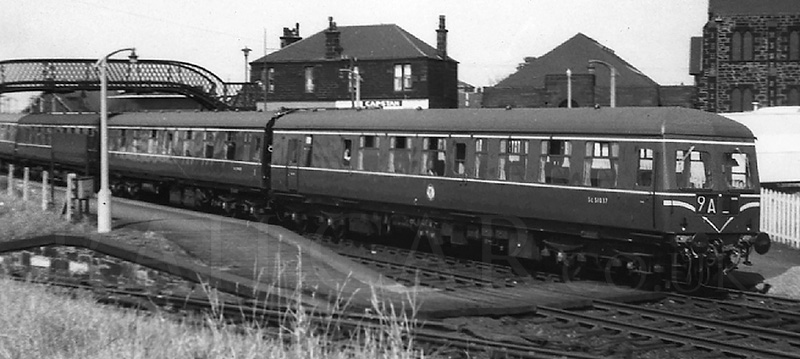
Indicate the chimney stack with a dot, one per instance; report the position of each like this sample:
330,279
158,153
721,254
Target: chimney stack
333,48
290,36
441,39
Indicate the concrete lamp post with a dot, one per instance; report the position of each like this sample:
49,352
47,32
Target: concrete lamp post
613,84
246,50
104,194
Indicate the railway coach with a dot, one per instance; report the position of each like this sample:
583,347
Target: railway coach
654,192
651,191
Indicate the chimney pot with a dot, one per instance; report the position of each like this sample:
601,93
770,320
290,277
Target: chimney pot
441,38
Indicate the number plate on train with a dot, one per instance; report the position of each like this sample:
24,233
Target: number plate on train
717,204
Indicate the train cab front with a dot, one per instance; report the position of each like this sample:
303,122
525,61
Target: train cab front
714,212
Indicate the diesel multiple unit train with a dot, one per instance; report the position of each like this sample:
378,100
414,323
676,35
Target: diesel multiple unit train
670,193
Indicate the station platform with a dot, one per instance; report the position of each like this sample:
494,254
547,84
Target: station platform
274,256
255,259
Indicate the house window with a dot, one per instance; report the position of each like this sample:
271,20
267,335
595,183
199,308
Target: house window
402,77
794,97
309,71
741,99
742,45
271,80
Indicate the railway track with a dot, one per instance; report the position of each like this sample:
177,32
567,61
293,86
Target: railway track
449,273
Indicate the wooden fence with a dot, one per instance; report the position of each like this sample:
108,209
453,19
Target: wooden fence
780,216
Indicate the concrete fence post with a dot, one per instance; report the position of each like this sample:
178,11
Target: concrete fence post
10,180
44,190
26,177
68,195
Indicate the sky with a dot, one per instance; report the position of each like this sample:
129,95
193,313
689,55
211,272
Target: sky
488,38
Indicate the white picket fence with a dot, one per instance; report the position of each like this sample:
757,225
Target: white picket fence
780,216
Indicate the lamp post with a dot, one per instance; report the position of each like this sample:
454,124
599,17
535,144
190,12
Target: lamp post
569,88
104,194
613,72
246,51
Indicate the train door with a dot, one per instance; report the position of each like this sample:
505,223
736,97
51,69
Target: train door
292,164
460,159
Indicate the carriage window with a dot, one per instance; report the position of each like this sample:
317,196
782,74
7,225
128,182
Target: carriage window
230,151
512,160
480,158
368,157
399,156
554,162
737,171
347,153
257,151
307,147
644,175
291,152
600,167
460,159
692,169
433,157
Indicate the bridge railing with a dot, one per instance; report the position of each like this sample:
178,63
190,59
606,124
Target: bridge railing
144,75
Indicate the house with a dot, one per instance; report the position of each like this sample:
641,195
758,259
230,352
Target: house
543,81
358,66
749,54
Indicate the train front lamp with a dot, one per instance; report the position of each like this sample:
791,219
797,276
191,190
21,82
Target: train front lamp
613,83
104,194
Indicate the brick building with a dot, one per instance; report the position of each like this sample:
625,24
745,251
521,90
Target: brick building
749,53
397,69
542,82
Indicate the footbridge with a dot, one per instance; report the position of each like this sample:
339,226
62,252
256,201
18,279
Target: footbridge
144,76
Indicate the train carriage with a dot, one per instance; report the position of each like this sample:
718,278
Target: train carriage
649,188
649,191
193,156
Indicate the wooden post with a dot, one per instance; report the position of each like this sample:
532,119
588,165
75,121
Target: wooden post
44,190
10,180
26,177
69,194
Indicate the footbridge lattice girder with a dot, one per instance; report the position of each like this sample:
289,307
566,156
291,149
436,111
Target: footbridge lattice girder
65,75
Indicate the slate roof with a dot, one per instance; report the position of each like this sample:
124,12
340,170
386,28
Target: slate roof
574,54
368,42
753,7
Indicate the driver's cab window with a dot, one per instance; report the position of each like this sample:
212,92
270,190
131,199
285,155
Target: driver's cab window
737,171
692,169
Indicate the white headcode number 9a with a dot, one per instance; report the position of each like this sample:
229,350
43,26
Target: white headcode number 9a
706,205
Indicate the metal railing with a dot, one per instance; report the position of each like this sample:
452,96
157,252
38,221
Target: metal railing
65,75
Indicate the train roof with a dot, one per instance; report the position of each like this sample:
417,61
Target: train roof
228,119
11,117
633,121
79,119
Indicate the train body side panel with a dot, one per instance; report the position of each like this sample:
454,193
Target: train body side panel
221,173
